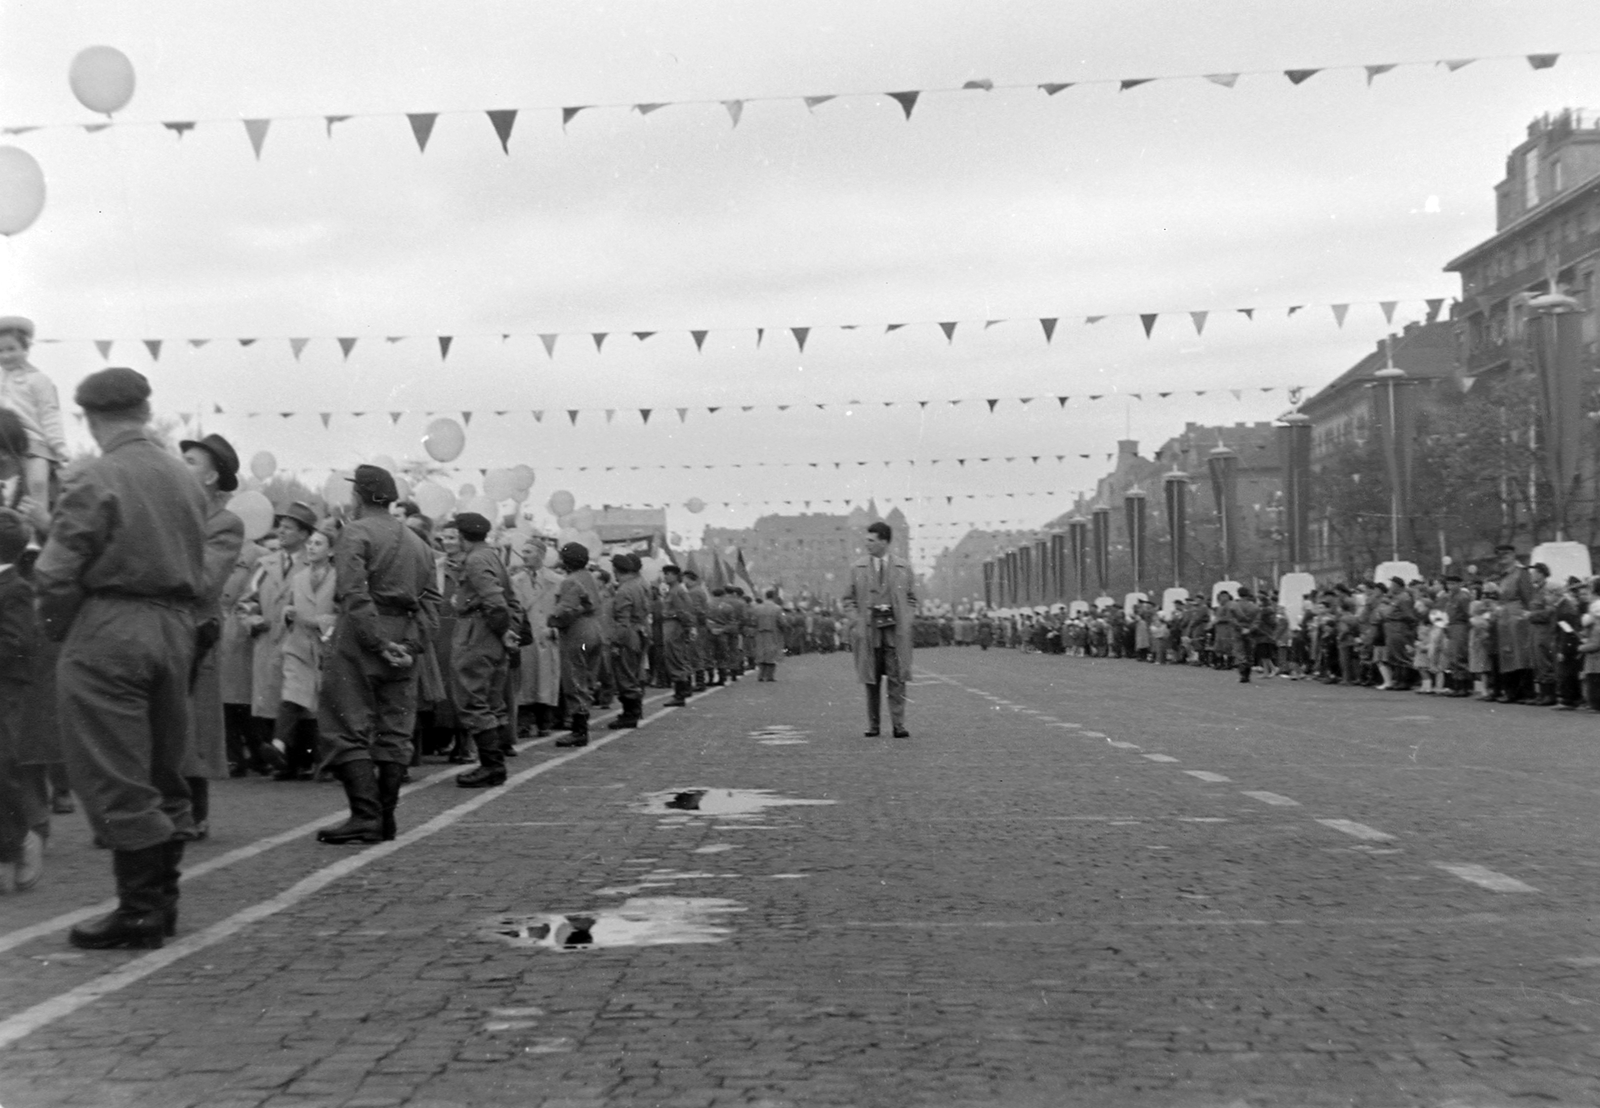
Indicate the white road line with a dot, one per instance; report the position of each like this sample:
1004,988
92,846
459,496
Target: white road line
1207,775
1488,878
1358,830
1274,799
1159,757
1120,745
1094,734
29,1020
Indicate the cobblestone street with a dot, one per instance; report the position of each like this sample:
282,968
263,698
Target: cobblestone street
1080,882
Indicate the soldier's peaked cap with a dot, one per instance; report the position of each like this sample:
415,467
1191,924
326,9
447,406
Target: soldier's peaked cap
472,526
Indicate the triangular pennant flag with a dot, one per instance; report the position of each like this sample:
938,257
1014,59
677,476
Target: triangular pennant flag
1024,400
95,128
466,419
154,346
326,417
599,339
1457,63
549,344
1295,308
1133,82
1149,321
981,84
800,334
1542,61
991,404
1377,71
1053,87
735,110
1300,76
1062,400
906,100
1434,307
502,120
683,415
330,120
1049,326
644,415
760,333
257,130
610,414
812,102
104,346
949,330
198,343
892,327
646,109
422,127
394,418
1338,313
1238,394
444,346
567,114
297,345
347,345
392,339
1248,313
1199,321
699,339
642,335
538,415
572,414
712,411
179,128
1093,318
246,342
1226,80
1388,307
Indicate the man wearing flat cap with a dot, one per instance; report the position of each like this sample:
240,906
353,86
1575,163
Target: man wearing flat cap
388,608
267,601
118,582
488,623
215,466
577,617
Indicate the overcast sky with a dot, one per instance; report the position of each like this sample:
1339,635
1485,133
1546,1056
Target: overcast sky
1175,196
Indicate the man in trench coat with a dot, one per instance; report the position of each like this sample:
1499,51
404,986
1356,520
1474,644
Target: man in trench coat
883,603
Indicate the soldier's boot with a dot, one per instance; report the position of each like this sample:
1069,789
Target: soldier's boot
579,735
632,712
361,791
172,860
491,771
391,775
1547,694
140,919
680,695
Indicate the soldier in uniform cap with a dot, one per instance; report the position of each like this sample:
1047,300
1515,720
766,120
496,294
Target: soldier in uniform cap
488,619
576,616
119,580
388,608
630,619
677,627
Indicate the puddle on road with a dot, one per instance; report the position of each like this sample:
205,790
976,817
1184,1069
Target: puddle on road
729,804
642,921
659,878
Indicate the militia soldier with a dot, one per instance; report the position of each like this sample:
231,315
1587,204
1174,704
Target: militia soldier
576,616
700,641
721,626
487,622
677,635
215,465
118,581
884,604
630,615
388,608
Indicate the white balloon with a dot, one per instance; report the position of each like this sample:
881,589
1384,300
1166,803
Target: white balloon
256,512
435,501
468,491
561,503
695,504
500,484
525,476
583,519
336,489
102,79
383,461
21,190
482,505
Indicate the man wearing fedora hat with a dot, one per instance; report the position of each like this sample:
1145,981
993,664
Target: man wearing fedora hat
215,466
119,580
268,599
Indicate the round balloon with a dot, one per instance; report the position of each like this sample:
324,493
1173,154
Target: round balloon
102,79
383,461
482,505
263,465
444,440
402,488
434,501
256,512
524,476
21,190
695,504
336,489
500,484
561,503
583,519
467,492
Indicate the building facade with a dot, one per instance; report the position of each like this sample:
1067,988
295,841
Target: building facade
807,557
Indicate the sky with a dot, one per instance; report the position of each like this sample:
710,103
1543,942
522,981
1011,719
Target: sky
1176,196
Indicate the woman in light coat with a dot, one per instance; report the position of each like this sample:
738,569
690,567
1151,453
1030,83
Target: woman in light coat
308,620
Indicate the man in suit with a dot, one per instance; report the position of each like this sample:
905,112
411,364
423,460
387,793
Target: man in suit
882,600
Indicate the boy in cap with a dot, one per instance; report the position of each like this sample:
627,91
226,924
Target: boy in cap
118,581
367,707
32,395
487,616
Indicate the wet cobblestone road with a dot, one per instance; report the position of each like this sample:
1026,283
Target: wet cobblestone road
1080,882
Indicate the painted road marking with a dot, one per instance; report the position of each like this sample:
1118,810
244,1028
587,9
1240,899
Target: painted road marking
1094,734
1207,775
1358,830
1488,878
29,1020
1274,799
1159,757
1120,745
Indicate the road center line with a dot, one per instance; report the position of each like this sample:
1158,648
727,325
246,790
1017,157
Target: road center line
29,1020
1159,757
1488,878
1207,775
1275,799
1358,830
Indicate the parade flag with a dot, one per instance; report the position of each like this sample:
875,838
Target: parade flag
1100,514
154,346
1224,466
347,345
502,121
743,570
1133,507
104,346
735,110
1176,486
1555,339
256,129
422,128
1295,437
906,100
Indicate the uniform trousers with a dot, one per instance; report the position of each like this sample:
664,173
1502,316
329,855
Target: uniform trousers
478,669
580,671
366,709
122,690
627,669
677,651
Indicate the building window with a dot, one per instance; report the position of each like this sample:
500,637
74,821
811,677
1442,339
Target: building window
1530,178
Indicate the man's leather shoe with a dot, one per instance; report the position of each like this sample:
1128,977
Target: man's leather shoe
484,777
872,734
901,733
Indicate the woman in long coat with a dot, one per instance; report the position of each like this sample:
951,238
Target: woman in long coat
539,676
769,636
308,619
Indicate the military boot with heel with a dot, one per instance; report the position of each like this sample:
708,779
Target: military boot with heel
140,919
361,790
